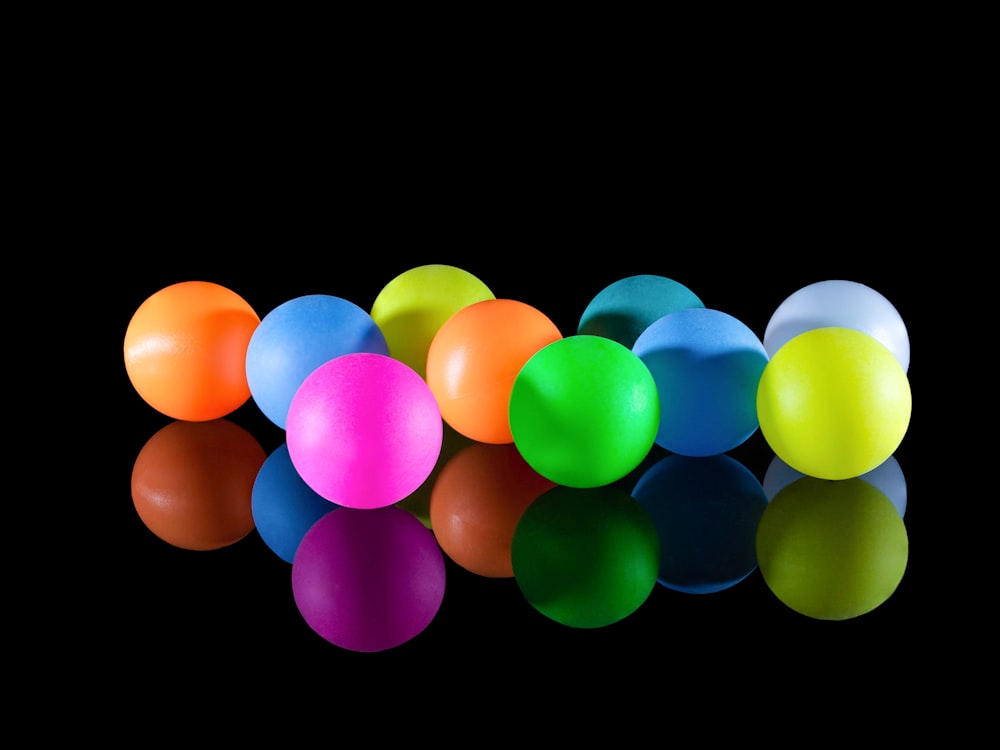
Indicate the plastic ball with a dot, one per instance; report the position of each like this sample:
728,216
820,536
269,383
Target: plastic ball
841,304
705,510
185,350
298,336
364,430
585,557
706,365
192,483
284,507
368,580
623,310
833,403
887,477
476,502
415,304
831,550
473,359
584,411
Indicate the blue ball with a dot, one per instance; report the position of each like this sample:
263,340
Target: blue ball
706,365
284,507
706,512
624,309
297,337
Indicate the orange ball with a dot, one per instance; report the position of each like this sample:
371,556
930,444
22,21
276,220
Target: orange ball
476,502
192,483
474,358
185,350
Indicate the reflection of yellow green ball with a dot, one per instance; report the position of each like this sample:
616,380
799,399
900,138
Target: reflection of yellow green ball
585,557
411,308
584,411
833,403
831,550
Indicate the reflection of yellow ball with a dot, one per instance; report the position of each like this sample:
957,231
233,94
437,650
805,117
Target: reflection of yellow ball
833,403
831,550
411,308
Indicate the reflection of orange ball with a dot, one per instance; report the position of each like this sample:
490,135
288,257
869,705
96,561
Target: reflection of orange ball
476,502
192,483
185,350
474,358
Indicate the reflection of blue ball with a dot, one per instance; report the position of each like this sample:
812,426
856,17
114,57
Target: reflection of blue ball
624,309
706,365
298,336
284,507
705,511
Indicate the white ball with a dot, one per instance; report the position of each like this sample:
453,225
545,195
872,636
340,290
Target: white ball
845,304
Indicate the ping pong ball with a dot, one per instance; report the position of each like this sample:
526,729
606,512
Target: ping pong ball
706,365
415,304
584,411
298,336
833,403
185,350
624,309
364,430
473,359
839,303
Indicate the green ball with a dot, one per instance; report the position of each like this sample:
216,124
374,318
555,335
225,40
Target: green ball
833,403
584,411
831,550
585,557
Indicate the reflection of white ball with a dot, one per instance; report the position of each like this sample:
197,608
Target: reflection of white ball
887,477
845,304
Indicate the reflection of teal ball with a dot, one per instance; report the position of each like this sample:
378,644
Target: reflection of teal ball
585,557
584,411
705,511
624,309
706,365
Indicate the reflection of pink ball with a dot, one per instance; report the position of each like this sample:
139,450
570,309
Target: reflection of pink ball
368,580
364,430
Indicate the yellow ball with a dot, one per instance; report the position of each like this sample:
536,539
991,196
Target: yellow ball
831,550
833,403
411,308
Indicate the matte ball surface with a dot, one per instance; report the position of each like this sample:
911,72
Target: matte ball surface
832,550
298,336
706,364
833,403
843,304
185,350
623,310
415,304
368,580
364,430
584,411
473,359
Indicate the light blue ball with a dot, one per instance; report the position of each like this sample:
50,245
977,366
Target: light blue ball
706,365
284,507
624,309
298,336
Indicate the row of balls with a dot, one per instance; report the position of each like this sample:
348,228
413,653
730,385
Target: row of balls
361,395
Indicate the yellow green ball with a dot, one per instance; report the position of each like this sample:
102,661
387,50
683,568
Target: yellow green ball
833,403
831,550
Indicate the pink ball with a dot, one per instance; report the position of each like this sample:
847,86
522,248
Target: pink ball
364,430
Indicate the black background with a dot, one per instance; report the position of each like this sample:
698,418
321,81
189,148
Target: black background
742,195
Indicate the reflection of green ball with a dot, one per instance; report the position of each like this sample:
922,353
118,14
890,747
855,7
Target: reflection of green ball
585,557
831,550
584,411
833,403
